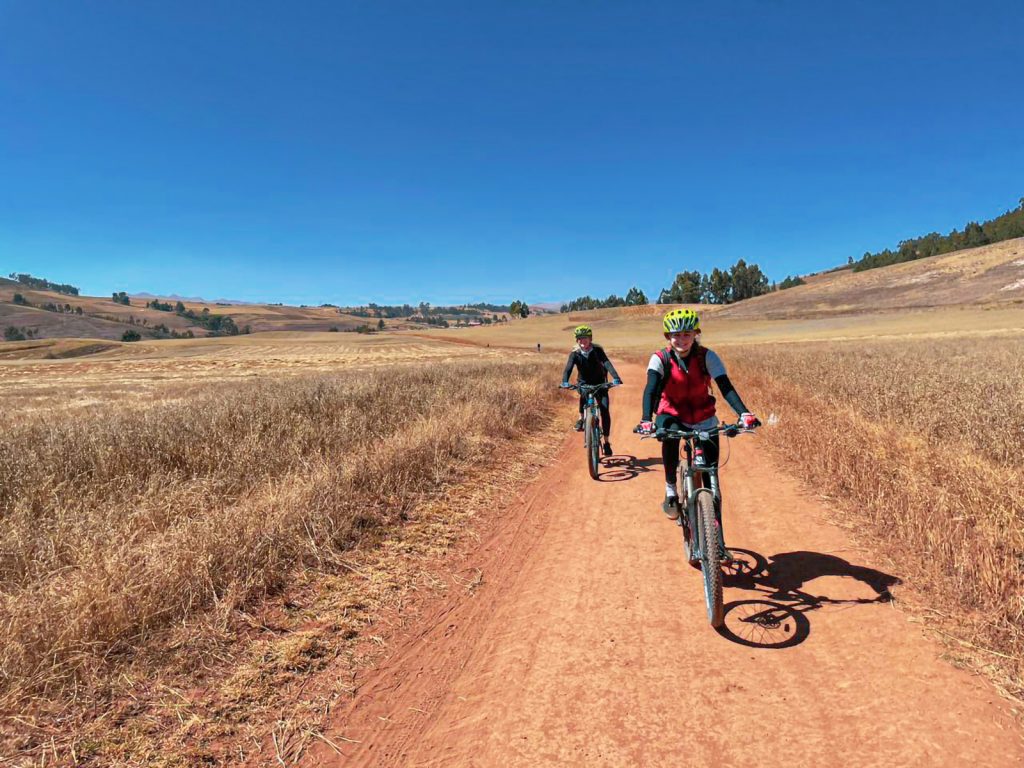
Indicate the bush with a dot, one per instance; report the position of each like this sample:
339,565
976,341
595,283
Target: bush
131,336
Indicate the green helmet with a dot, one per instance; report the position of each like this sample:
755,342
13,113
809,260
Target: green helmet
677,320
583,330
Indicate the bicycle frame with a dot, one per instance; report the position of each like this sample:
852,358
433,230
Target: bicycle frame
592,432
702,522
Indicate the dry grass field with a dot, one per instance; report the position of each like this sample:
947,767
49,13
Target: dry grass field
633,332
154,494
119,523
921,444
89,372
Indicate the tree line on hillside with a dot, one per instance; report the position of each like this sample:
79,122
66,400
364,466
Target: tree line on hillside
739,282
423,309
1004,227
217,325
41,284
49,306
634,297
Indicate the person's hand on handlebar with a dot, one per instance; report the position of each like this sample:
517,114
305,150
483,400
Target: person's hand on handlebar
644,428
616,382
749,421
564,385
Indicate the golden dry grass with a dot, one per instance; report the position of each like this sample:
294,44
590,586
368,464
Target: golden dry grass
630,331
116,524
922,445
145,373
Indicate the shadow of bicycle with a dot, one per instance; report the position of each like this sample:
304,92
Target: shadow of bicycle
777,617
620,468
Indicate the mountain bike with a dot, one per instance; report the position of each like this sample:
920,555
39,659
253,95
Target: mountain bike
702,521
592,423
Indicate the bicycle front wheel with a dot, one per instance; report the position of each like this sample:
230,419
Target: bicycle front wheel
593,446
711,557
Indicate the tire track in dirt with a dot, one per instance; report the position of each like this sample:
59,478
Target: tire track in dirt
587,642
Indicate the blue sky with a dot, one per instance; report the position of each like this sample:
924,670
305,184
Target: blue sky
348,152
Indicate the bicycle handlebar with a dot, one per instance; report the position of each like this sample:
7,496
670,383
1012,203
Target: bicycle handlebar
729,430
591,387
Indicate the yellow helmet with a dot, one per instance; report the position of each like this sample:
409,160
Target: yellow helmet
583,330
677,320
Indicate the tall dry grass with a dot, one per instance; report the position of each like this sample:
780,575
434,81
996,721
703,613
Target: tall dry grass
922,443
115,524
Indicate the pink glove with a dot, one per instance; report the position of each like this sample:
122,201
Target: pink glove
749,420
645,428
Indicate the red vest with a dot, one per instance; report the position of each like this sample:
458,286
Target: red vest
687,394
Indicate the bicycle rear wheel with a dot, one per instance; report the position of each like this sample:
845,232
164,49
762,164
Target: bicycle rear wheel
711,557
593,445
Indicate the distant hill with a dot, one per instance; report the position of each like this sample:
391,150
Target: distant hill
991,275
193,299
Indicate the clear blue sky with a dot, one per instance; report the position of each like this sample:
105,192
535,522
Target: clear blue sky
383,151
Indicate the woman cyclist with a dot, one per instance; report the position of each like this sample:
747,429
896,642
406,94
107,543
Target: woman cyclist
593,365
678,394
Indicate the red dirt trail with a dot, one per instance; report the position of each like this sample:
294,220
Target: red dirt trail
587,641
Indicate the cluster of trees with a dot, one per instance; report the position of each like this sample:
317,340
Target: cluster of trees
217,325
634,297
49,306
741,281
161,331
1005,227
14,333
519,308
789,282
41,284
121,298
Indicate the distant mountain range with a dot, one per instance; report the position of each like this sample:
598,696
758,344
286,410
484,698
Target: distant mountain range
193,299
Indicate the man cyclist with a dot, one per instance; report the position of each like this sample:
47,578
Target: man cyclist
678,394
593,367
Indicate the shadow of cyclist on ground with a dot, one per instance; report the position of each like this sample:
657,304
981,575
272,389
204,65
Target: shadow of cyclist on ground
775,619
616,469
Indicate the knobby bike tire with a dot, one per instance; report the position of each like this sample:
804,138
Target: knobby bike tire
711,558
593,448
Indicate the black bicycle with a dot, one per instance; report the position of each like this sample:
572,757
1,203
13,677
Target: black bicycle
702,521
592,423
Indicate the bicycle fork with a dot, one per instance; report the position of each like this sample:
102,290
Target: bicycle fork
692,492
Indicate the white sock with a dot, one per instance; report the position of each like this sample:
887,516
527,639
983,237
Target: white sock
670,489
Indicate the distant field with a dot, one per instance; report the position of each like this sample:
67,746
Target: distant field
629,331
144,373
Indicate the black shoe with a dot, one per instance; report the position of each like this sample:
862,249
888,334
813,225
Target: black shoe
607,449
670,506
579,425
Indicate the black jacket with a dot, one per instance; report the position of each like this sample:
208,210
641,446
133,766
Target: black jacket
593,368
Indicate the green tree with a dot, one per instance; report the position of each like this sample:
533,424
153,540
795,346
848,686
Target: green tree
717,287
685,289
747,281
131,336
635,297
380,324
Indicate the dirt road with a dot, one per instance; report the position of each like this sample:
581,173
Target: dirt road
587,644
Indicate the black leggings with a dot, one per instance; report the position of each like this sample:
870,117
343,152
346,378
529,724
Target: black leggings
606,414
670,448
